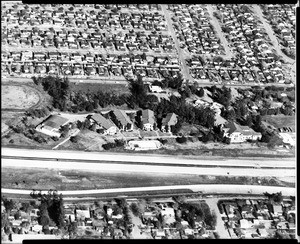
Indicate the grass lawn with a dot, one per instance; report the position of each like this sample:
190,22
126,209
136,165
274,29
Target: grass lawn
148,133
130,133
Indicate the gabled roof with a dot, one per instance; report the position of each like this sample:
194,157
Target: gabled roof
105,123
148,117
55,121
170,119
122,117
245,130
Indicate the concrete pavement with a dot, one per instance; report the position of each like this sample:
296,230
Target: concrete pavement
142,168
205,189
148,158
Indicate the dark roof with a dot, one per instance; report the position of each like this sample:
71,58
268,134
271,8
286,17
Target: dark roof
245,130
55,121
105,123
148,116
122,117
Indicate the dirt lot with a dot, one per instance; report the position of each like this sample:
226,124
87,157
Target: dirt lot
18,97
45,179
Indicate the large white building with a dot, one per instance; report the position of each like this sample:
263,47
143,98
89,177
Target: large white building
143,145
238,133
52,125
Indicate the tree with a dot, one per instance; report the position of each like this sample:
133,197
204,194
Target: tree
135,209
72,228
8,204
200,92
138,90
181,139
26,207
74,139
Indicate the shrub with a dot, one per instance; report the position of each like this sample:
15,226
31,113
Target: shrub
119,143
181,139
74,139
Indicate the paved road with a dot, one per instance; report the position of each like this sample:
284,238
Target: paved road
220,227
147,158
220,34
120,167
205,189
185,69
270,33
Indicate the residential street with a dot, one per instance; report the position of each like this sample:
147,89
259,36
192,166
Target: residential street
185,70
220,34
212,203
271,33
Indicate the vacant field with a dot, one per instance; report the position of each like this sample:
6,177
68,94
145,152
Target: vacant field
280,121
94,88
45,179
18,97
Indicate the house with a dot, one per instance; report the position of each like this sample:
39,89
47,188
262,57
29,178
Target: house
52,125
82,214
168,121
277,209
245,224
238,133
109,127
148,120
70,214
143,145
263,232
122,120
287,138
168,212
156,89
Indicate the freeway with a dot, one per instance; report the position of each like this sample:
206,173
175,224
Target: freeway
144,159
204,189
142,168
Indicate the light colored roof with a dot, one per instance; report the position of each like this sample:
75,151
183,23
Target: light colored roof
55,121
85,213
145,144
170,119
105,123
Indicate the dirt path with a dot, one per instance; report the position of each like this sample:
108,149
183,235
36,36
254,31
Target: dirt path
185,69
217,26
270,32
212,203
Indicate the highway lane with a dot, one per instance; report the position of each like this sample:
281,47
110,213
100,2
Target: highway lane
118,167
146,158
204,189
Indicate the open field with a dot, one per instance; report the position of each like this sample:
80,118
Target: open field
280,121
18,97
45,179
94,87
